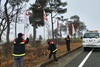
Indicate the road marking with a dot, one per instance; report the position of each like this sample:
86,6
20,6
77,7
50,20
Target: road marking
82,63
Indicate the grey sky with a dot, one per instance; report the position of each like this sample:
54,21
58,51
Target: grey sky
88,10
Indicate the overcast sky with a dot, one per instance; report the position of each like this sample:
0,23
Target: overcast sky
87,10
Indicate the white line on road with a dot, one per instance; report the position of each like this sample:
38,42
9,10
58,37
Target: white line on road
82,63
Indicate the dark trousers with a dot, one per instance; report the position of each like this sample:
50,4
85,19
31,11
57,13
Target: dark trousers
18,60
68,47
54,55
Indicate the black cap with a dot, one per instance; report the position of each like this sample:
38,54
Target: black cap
20,34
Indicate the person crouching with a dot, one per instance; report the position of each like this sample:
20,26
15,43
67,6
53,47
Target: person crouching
53,49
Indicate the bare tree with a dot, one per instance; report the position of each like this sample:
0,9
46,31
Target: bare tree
8,13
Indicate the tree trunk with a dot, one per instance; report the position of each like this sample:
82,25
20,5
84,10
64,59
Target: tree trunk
8,27
0,38
52,26
60,34
8,31
15,29
34,35
1,32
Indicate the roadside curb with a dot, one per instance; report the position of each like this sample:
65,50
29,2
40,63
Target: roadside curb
50,61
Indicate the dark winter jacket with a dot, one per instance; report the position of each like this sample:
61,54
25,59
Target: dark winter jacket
19,46
67,40
52,47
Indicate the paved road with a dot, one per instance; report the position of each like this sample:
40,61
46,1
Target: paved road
80,58
86,59
65,60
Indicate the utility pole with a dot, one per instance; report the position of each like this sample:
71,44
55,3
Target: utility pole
16,20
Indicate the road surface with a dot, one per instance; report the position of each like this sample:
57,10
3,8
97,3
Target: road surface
80,58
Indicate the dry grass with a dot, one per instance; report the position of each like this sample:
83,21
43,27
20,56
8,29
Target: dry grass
35,56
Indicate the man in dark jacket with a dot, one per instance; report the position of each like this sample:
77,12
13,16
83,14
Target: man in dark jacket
19,49
68,43
53,50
